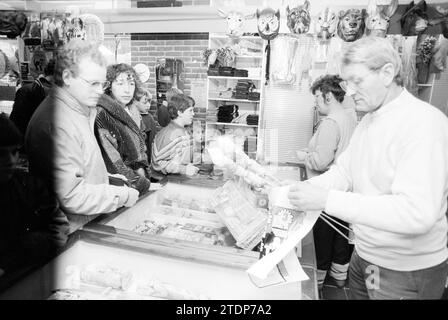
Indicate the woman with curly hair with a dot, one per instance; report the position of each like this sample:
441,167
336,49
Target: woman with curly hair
330,139
121,141
172,147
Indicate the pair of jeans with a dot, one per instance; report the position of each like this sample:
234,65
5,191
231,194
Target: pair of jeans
370,281
332,250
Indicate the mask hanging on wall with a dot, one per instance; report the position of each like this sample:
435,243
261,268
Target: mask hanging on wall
268,22
415,19
326,24
76,29
235,22
378,17
12,23
351,24
442,18
298,18
93,26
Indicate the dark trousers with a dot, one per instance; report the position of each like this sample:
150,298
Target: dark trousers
370,281
330,245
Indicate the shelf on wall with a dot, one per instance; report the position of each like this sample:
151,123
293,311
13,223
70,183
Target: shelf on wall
234,100
233,124
224,36
248,56
424,85
236,78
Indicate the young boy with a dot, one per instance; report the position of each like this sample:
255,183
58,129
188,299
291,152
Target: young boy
147,124
163,116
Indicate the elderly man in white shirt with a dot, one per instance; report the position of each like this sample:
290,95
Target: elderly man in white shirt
391,182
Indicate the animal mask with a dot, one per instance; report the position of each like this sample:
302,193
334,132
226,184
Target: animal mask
442,18
76,29
268,22
12,24
326,24
299,18
378,17
351,24
415,19
235,22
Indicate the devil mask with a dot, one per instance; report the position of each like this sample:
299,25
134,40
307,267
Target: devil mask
415,19
351,24
268,22
326,24
299,18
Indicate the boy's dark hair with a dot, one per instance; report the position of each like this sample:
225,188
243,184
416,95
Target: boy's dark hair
193,103
178,103
329,84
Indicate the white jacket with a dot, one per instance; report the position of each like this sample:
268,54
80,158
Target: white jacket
80,176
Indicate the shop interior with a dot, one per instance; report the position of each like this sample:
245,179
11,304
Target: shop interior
253,90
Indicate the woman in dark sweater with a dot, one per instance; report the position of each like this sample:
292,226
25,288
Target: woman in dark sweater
121,141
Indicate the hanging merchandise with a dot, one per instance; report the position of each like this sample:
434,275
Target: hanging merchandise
76,29
334,55
378,17
268,22
283,69
32,35
407,47
298,18
442,18
415,19
351,24
38,61
326,24
324,28
93,26
12,23
440,54
425,49
235,22
53,30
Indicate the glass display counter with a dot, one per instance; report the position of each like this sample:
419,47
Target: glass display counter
180,216
98,265
189,255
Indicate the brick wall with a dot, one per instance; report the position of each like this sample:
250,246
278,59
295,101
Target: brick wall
140,3
147,48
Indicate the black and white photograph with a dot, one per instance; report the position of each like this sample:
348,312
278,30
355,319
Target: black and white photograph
230,152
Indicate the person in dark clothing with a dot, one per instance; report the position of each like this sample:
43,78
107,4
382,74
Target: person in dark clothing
33,228
120,139
163,115
29,97
147,124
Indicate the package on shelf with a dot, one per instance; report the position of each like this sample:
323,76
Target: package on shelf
235,203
